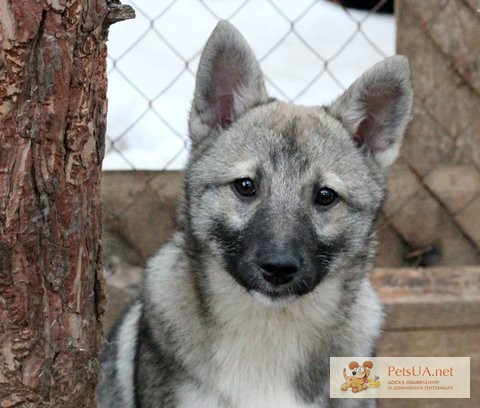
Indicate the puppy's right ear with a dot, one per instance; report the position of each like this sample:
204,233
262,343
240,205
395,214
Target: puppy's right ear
353,365
367,364
229,82
376,108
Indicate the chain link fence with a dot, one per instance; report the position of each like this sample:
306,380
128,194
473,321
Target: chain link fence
309,51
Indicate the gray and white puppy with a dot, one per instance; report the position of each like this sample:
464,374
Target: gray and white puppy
267,277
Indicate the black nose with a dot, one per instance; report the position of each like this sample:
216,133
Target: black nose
279,269
354,372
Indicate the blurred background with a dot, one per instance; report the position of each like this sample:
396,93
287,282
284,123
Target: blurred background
310,51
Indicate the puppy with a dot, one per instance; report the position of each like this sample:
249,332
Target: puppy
267,276
358,381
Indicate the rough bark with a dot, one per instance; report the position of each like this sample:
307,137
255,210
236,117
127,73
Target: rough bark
52,127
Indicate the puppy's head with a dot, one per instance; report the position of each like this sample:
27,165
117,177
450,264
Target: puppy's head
283,195
362,371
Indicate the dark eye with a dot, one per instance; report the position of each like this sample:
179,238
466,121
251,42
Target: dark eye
245,187
325,196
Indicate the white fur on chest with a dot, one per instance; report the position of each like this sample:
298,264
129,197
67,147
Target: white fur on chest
257,365
190,396
261,348
250,356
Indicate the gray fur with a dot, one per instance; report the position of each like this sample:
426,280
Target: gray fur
212,332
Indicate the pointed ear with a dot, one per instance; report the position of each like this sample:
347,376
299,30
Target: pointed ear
229,82
376,108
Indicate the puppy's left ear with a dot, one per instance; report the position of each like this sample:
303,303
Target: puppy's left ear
229,82
376,108
352,365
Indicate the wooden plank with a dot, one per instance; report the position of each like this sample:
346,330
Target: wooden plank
429,298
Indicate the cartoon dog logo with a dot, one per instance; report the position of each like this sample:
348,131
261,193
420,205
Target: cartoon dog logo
358,381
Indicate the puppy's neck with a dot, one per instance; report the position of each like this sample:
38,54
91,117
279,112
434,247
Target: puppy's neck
233,306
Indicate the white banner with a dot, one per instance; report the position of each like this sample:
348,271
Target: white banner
400,377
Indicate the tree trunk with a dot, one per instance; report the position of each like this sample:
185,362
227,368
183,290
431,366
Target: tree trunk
52,128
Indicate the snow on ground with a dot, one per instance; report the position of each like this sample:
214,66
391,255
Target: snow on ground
150,85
